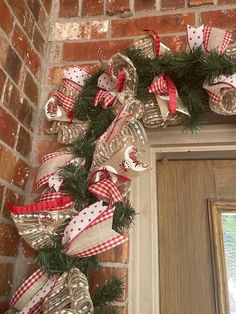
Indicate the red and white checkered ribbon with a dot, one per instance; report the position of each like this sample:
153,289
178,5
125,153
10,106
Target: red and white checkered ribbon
106,190
209,38
50,164
163,86
90,232
105,99
216,88
29,297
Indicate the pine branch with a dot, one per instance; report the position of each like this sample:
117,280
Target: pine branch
111,292
123,216
53,261
76,183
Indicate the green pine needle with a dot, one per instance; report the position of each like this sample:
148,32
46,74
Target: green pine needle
123,216
111,292
53,261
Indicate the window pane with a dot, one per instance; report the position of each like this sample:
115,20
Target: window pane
229,233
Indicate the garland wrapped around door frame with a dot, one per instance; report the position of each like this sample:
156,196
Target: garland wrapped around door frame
83,207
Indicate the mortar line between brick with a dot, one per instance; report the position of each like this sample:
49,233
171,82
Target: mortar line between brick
15,152
210,7
113,264
158,5
17,136
3,199
131,5
12,187
7,259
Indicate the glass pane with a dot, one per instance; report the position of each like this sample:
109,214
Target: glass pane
229,233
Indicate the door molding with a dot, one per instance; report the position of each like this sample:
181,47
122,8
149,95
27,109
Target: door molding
211,142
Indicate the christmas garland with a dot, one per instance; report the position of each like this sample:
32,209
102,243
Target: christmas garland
86,209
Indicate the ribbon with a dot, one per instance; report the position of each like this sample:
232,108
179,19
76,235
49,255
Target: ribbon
90,232
164,87
41,293
105,99
222,94
41,207
157,41
29,297
207,37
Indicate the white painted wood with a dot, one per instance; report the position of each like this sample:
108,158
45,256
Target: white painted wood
212,141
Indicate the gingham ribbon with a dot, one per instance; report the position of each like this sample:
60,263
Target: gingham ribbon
164,86
208,38
105,99
106,190
29,297
90,232
157,40
215,89
50,164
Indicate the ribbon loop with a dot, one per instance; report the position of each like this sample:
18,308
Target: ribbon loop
164,87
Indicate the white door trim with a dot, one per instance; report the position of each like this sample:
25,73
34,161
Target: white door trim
143,265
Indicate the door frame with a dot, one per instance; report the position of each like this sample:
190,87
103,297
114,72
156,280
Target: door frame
212,141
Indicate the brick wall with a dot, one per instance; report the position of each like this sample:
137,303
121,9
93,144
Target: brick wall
79,28
29,72
23,37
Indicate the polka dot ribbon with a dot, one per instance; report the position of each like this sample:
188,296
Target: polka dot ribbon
163,85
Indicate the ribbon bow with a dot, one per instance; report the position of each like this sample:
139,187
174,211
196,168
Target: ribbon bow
118,87
217,90
207,37
164,87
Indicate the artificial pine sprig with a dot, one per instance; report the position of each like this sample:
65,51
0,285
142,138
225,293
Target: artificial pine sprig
111,292
123,216
53,261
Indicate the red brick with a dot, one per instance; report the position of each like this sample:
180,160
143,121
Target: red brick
141,5
47,5
98,278
172,4
27,249
8,128
117,6
30,88
165,24
222,18
175,43
13,65
23,14
6,278
226,1
92,7
119,254
22,111
6,18
88,51
13,169
68,8
26,51
4,306
11,197
24,142
38,41
199,2
9,240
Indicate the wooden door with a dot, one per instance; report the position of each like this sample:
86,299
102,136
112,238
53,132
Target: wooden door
185,259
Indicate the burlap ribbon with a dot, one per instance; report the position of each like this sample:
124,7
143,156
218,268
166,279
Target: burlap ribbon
122,132
90,232
66,294
42,223
207,37
222,94
48,173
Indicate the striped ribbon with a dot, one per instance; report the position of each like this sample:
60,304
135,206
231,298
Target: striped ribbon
156,37
164,86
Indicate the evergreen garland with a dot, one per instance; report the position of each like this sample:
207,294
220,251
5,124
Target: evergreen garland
188,71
